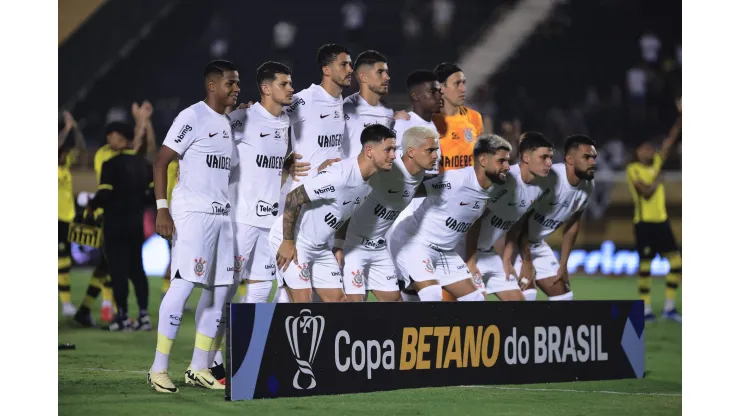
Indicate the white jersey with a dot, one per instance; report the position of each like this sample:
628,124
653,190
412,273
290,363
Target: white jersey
358,114
261,142
400,128
203,139
335,194
391,193
317,120
454,201
558,206
508,205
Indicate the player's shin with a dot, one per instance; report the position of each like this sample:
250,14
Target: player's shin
207,329
170,318
672,281
644,282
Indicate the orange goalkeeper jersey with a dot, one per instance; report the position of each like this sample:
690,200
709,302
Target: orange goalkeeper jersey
457,136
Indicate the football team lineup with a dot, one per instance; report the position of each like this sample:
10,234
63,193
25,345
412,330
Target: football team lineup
291,207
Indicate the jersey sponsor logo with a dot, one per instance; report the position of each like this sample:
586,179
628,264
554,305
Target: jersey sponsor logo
226,135
220,209
218,162
498,196
441,185
328,188
546,222
385,213
333,140
236,124
501,223
460,161
265,209
332,221
295,105
458,226
183,131
379,243
200,266
269,162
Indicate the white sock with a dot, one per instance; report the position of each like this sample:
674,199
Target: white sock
258,292
231,291
567,296
218,359
207,328
475,296
669,305
281,296
170,318
409,298
431,293
530,294
648,309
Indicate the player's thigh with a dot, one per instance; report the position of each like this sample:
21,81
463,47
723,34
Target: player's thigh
354,271
545,263
194,246
491,267
665,242
416,263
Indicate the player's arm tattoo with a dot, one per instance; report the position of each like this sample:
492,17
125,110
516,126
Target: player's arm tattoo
293,203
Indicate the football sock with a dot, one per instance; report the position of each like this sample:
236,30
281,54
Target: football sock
672,281
431,293
64,265
207,327
258,292
644,282
170,318
475,296
107,290
93,290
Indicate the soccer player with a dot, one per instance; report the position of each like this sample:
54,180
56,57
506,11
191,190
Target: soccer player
424,244
317,115
458,126
67,155
200,223
426,101
526,183
261,135
367,262
652,228
300,237
365,107
571,184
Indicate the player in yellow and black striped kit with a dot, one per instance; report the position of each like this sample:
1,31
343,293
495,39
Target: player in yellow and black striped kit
652,229
70,144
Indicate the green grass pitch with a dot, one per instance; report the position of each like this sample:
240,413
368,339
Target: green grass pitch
106,375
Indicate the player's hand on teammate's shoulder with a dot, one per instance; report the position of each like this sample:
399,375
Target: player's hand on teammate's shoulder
401,115
297,168
286,253
164,225
328,162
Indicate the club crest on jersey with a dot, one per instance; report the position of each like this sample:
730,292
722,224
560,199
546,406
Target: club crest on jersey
428,267
574,208
305,274
357,278
336,115
238,264
468,133
406,193
200,266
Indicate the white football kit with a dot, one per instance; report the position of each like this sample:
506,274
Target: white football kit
203,241
335,195
550,213
358,114
367,262
423,245
262,143
507,206
317,121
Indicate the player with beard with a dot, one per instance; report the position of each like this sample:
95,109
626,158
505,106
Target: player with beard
571,183
423,245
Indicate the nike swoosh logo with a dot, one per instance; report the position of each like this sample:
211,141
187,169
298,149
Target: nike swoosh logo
165,388
347,202
324,116
212,134
264,135
174,324
464,203
552,204
391,191
210,383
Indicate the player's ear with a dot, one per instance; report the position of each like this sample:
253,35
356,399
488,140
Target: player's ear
326,71
414,96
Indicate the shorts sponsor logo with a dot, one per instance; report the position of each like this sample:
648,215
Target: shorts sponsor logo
379,243
265,209
304,329
499,195
336,273
391,277
428,266
357,280
304,274
183,131
200,266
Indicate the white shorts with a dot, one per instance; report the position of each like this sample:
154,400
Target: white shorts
254,257
545,263
416,262
368,270
491,267
203,249
317,267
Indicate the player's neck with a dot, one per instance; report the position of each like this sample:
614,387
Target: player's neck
369,96
573,180
367,169
412,168
483,180
332,88
424,115
527,176
272,107
215,106
450,109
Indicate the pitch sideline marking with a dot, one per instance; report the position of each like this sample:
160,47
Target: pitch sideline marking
480,387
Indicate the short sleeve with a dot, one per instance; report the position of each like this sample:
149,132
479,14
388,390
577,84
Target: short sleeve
182,132
444,184
327,184
298,108
477,121
107,176
238,119
631,173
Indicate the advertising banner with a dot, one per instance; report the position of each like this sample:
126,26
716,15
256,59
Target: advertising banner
294,350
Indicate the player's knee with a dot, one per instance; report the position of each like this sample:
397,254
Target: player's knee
258,292
474,296
565,296
431,293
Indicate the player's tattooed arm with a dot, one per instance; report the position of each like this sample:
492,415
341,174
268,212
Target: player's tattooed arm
293,203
